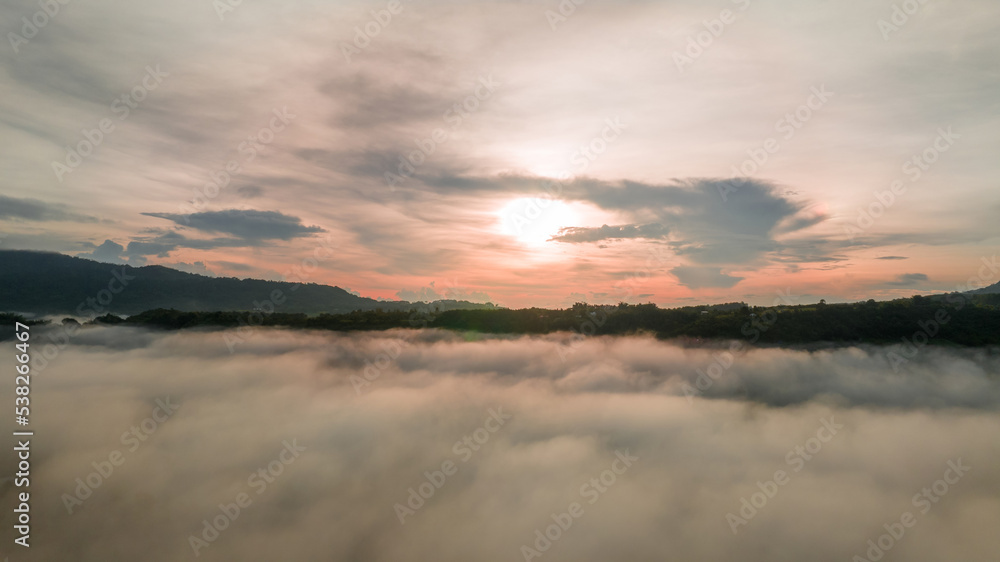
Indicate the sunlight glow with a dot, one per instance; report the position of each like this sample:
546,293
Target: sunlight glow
533,221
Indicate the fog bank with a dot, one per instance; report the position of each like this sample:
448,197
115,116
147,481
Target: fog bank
506,432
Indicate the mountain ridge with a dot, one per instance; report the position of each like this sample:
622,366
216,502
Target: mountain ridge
53,283
990,290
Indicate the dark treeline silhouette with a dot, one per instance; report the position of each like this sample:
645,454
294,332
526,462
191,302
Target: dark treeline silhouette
961,319
49,283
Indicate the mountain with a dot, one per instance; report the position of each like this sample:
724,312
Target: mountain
51,283
991,290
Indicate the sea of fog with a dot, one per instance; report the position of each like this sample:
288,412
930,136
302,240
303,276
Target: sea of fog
412,445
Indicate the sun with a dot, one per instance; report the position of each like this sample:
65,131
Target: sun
533,221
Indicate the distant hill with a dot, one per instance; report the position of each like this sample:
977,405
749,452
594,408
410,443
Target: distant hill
991,290
914,322
52,283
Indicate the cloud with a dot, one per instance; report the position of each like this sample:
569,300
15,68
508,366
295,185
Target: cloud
234,266
109,251
245,224
450,292
357,120
162,243
892,258
375,100
197,267
12,208
246,271
705,227
578,235
572,403
250,191
704,277
423,294
248,228
908,279
754,224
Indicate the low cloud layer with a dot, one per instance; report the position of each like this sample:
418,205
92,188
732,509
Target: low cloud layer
699,277
908,279
246,224
375,412
605,232
12,208
241,229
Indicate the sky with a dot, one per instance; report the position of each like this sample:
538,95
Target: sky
530,153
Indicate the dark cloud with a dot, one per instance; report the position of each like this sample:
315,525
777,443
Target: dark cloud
578,235
234,266
704,277
908,279
708,221
892,258
448,292
802,250
161,243
35,210
245,224
374,102
197,267
109,251
423,294
250,191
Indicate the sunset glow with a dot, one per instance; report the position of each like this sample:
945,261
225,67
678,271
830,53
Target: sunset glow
418,149
535,221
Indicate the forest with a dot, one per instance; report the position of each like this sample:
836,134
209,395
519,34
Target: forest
955,319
